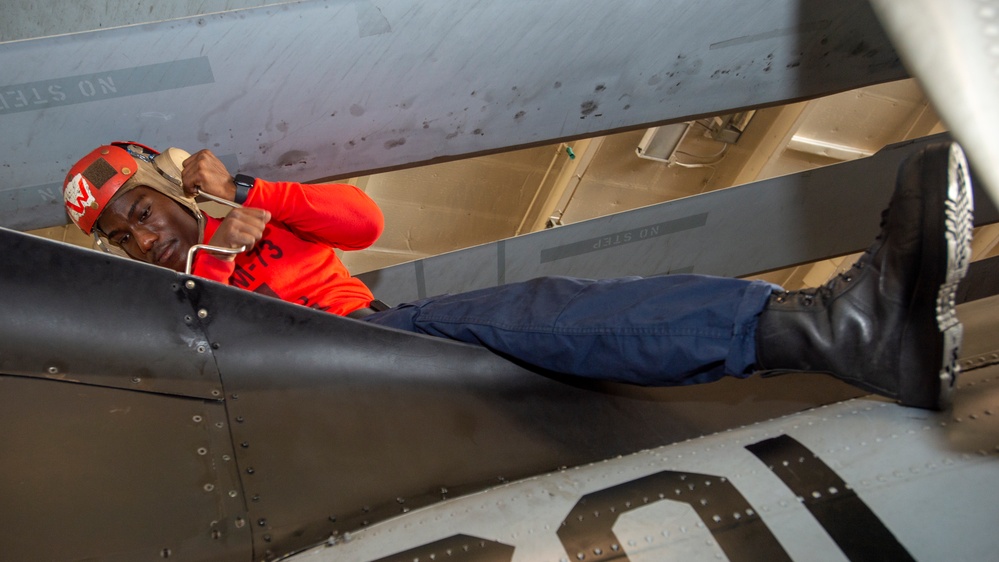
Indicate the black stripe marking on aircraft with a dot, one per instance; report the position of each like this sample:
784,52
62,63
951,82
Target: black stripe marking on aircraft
457,548
857,530
587,532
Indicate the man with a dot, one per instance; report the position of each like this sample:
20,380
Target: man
888,325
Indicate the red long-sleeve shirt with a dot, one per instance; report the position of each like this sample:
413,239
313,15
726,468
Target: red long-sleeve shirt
295,260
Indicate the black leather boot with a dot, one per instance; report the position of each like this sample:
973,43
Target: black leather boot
888,325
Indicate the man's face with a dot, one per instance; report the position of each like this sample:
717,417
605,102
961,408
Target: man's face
150,227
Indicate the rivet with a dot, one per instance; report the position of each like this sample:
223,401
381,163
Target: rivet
197,419
216,393
240,522
126,170
106,151
239,419
202,349
209,487
262,522
202,313
226,458
232,493
235,396
53,370
219,425
250,470
202,451
189,284
136,380
244,444
267,538
256,498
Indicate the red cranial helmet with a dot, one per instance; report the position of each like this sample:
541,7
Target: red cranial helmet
108,171
94,180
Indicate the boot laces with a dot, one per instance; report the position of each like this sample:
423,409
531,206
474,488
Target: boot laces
807,297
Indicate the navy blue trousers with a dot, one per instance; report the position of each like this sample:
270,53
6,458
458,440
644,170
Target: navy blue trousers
668,330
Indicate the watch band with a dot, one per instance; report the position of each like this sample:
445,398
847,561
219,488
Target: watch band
244,184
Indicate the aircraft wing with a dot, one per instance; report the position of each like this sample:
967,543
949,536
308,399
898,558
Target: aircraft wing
386,84
856,480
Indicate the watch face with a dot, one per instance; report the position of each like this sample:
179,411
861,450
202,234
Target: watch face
244,180
243,185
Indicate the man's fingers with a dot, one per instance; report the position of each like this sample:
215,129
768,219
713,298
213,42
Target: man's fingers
241,227
203,171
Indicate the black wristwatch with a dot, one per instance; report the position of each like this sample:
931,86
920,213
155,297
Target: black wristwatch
244,184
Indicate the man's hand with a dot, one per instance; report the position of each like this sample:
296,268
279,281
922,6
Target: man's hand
241,227
203,171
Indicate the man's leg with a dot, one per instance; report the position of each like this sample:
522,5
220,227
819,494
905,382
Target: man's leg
670,330
888,325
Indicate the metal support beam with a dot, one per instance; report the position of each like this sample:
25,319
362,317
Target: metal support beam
735,232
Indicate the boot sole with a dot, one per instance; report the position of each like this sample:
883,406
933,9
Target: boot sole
958,222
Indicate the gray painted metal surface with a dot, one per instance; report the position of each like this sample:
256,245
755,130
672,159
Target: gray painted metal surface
734,232
96,473
31,19
857,480
56,324
343,87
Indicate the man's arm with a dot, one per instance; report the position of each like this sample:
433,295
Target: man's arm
337,215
